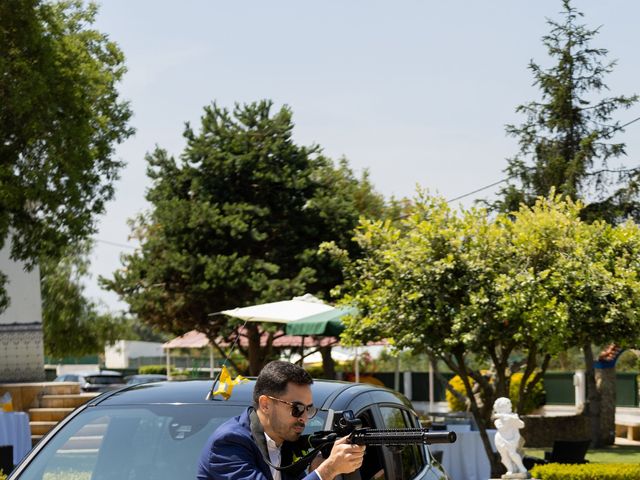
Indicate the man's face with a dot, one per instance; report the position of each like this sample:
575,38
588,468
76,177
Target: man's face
282,425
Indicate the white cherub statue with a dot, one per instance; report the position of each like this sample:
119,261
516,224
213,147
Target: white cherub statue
508,435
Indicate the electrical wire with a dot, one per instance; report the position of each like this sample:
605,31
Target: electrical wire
620,127
114,244
479,189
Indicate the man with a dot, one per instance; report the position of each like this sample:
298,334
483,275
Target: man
263,437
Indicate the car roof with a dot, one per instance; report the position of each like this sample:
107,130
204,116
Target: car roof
106,373
94,373
195,391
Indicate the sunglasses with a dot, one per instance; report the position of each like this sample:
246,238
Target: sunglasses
298,408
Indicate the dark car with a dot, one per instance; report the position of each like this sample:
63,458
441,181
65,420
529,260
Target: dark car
145,378
98,381
156,431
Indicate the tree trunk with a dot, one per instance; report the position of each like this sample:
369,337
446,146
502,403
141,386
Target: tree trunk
328,365
494,459
606,384
592,406
527,386
255,360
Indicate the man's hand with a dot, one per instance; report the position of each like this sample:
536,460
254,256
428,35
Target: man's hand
345,458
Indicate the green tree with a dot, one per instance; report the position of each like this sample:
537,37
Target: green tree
466,287
238,221
60,117
72,324
566,142
137,330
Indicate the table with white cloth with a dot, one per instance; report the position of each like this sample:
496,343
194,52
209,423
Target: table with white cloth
15,431
466,459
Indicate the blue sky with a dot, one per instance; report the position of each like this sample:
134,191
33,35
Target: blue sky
417,92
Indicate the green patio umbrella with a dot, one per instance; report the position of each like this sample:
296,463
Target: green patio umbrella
327,323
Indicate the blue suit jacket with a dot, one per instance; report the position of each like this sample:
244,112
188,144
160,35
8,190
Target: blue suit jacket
232,453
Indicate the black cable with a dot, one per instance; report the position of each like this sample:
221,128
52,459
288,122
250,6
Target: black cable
479,189
114,244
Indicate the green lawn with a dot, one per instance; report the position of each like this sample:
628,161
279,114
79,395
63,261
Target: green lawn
612,454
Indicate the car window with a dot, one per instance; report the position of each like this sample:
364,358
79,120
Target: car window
68,377
316,423
372,466
408,460
155,442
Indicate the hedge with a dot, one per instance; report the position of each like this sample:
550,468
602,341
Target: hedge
587,471
153,370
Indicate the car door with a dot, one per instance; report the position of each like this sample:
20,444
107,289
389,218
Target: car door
411,461
382,409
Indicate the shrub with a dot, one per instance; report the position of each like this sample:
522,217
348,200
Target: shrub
455,404
534,401
153,370
316,371
2,475
536,398
587,471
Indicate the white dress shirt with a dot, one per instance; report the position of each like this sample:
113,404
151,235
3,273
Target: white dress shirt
274,457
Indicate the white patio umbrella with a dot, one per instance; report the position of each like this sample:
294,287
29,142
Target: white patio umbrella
284,312
290,311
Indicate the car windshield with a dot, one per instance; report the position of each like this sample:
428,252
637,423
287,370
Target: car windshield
155,442
135,442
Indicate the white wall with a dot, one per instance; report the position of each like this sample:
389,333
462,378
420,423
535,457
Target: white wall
118,354
24,291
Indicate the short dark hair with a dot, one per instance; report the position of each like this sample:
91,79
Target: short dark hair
276,376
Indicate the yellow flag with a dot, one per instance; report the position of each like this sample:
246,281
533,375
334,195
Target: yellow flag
225,383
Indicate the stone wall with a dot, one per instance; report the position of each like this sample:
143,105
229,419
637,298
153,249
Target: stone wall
21,352
24,395
21,342
540,431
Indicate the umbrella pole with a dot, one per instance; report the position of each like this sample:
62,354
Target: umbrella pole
211,361
357,367
302,350
431,390
396,374
168,363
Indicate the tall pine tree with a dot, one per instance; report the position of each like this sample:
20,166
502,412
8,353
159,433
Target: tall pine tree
567,141
238,220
